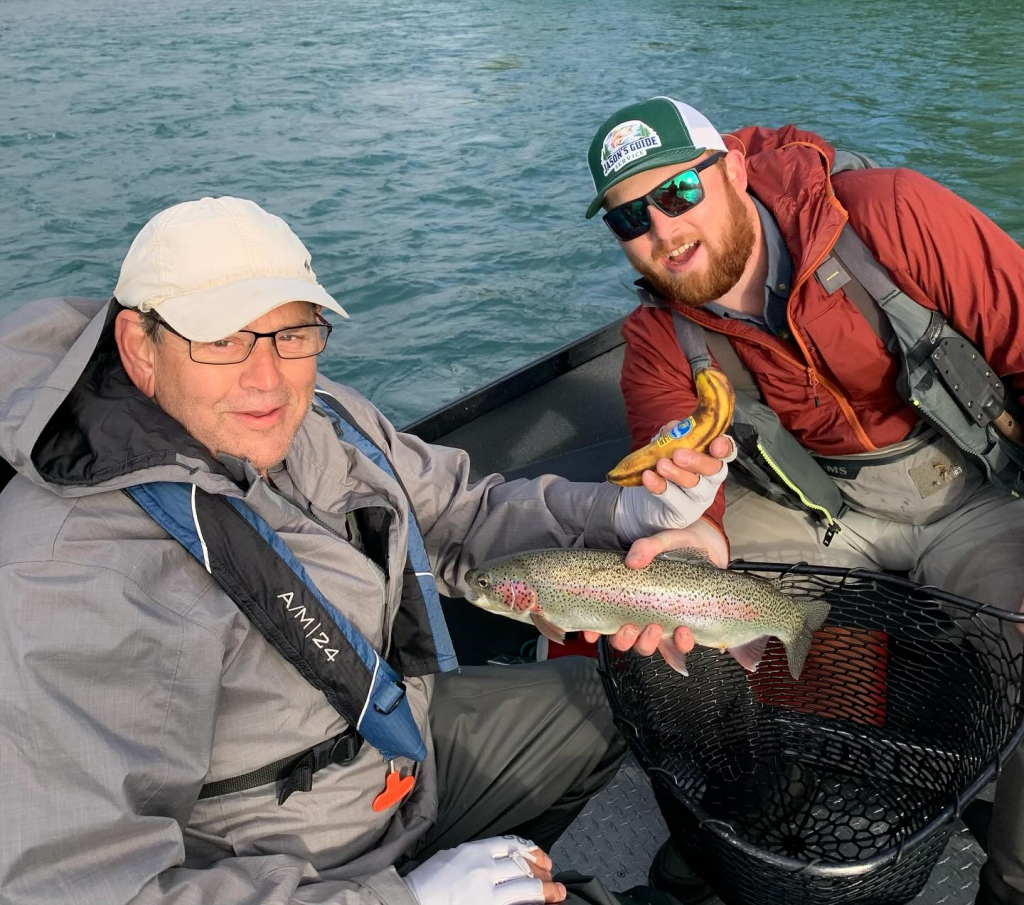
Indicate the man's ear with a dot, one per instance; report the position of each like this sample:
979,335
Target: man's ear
736,169
137,350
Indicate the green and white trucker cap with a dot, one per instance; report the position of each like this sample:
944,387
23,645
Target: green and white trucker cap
652,133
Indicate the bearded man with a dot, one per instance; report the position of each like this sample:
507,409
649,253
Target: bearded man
739,240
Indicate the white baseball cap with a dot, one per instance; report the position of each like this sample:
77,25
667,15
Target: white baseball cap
211,266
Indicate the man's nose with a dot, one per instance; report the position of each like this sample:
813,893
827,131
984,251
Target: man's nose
662,225
263,366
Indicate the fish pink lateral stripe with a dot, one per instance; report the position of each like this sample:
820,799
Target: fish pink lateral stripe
664,603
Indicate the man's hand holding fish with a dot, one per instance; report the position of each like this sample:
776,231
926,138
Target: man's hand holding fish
665,514
673,580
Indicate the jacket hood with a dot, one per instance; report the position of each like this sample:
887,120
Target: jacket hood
788,170
70,417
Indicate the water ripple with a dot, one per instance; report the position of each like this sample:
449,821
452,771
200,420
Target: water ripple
432,155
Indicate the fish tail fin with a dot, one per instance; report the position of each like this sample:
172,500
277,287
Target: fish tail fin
814,613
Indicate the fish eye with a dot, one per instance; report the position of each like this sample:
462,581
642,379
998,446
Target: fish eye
482,581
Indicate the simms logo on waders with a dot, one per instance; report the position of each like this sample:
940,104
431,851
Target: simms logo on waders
300,615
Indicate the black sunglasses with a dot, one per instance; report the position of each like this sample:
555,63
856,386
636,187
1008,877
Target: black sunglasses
673,197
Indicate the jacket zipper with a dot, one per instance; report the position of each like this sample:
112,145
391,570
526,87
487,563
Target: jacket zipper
813,376
833,526
812,379
844,403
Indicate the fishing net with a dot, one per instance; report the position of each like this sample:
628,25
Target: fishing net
842,787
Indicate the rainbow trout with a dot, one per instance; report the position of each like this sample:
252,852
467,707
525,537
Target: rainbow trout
593,590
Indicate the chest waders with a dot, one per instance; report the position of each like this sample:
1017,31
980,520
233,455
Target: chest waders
269,585
942,375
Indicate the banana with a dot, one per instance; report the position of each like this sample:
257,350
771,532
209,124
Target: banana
713,414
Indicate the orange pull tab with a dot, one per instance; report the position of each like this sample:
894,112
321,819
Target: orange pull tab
396,787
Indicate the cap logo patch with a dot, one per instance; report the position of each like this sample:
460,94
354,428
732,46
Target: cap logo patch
627,142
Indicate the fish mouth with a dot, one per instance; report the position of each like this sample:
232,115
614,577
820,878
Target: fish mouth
471,595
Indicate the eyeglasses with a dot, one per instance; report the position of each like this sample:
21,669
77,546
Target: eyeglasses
300,341
676,196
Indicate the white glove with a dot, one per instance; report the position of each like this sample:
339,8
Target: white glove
487,872
640,513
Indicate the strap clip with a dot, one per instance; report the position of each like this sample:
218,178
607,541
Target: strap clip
346,747
400,686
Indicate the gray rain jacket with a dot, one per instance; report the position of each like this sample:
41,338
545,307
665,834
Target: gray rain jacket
128,678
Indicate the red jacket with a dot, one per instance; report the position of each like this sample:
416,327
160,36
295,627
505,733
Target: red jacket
833,384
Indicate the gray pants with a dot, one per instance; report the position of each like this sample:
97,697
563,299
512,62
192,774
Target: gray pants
976,552
520,749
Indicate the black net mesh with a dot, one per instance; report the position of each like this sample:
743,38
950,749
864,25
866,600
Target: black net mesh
842,787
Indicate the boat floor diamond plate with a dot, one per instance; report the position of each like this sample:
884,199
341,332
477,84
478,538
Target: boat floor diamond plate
618,833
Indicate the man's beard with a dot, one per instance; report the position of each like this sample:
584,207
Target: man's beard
725,265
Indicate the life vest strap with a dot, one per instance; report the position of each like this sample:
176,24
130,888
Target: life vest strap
295,772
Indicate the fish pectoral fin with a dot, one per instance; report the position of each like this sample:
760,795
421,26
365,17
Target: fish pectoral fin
547,628
692,555
673,656
749,654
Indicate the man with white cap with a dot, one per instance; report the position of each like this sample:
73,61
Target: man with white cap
873,321
224,671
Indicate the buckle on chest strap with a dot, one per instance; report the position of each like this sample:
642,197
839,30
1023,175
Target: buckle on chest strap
338,751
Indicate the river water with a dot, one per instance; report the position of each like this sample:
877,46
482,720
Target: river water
432,155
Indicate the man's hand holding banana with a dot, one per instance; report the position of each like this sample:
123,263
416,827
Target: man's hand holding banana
676,492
